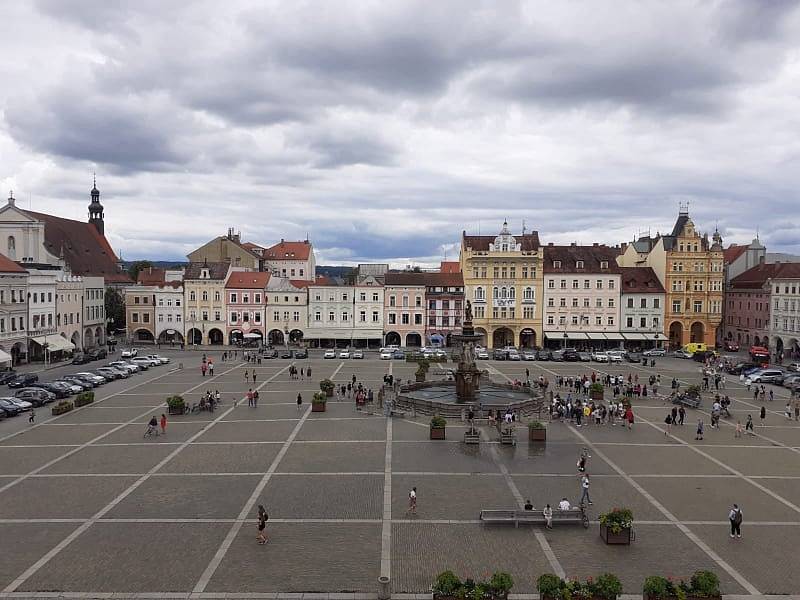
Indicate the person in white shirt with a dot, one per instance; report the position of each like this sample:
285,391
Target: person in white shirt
585,490
564,504
412,501
548,516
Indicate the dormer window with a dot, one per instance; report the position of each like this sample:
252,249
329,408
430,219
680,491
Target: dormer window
579,264
204,274
603,264
556,264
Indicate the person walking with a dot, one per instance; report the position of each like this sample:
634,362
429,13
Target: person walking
246,376
681,415
210,369
668,423
735,517
412,502
250,397
263,517
763,415
255,398
308,372
299,401
699,434
739,430
32,416
629,417
585,490
163,424
254,376
748,426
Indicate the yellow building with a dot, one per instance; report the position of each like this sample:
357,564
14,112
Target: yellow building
204,301
690,267
503,281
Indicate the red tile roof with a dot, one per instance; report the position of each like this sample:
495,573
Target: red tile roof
757,276
288,251
9,266
301,283
151,276
640,280
450,267
251,246
732,252
85,251
247,280
445,279
591,256
529,241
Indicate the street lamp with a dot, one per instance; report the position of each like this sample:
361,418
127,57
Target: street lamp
655,337
565,337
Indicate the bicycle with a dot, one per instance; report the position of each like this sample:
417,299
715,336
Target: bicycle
150,432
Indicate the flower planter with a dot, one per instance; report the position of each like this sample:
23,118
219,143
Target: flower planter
548,597
621,538
596,395
419,378
60,409
329,393
537,435
688,597
318,406
83,399
176,410
438,433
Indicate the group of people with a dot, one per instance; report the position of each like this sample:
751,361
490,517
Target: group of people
299,372
577,411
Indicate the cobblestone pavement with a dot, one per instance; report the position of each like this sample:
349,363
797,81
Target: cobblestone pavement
92,508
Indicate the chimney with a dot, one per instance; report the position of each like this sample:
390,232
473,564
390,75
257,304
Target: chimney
595,244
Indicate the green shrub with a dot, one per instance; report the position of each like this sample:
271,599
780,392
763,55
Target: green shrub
657,587
327,386
501,583
704,583
84,398
536,425
437,421
617,519
319,398
549,585
176,401
607,586
447,584
597,388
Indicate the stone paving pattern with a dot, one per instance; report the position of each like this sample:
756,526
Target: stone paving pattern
157,523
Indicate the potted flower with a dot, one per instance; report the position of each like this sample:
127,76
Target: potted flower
438,427
176,405
549,586
537,432
62,407
84,398
318,402
703,584
422,370
447,586
327,386
596,391
606,587
500,584
616,525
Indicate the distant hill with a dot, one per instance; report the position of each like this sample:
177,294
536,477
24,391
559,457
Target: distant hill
334,271
161,264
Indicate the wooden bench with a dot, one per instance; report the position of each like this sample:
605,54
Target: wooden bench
508,436
535,517
472,437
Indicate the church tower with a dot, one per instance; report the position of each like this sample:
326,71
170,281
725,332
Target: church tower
96,209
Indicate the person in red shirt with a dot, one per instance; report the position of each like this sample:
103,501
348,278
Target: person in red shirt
163,424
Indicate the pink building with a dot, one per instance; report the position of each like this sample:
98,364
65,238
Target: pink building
245,303
404,309
747,305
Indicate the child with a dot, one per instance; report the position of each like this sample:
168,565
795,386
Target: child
787,412
738,433
699,435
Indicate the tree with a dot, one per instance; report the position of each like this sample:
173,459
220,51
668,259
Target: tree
115,310
137,266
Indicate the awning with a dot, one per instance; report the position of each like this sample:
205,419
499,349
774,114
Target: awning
596,335
4,356
634,336
55,343
571,335
615,335
252,336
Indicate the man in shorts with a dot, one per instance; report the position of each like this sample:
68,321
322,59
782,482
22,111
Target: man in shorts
412,501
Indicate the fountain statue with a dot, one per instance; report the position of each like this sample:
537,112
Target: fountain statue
467,375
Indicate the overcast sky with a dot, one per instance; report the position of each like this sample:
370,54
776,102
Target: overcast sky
383,129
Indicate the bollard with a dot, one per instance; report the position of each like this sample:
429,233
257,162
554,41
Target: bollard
383,588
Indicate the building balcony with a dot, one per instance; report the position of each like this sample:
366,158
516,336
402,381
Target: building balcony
9,335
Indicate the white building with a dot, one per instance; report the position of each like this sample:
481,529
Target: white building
784,331
94,312
642,311
43,335
292,260
346,315
286,311
169,314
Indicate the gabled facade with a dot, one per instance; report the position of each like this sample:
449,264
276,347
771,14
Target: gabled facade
245,298
747,307
502,277
227,248
642,308
204,290
13,312
444,301
348,315
405,308
286,311
785,311
292,260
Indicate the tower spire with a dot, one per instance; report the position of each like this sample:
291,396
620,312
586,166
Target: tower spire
96,214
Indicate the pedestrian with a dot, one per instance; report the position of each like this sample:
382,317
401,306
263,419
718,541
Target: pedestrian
32,416
668,422
699,435
412,501
681,415
203,369
254,376
629,417
763,415
548,516
210,369
263,517
246,375
735,517
748,426
787,412
738,432
308,372
585,490
163,424
299,401
771,395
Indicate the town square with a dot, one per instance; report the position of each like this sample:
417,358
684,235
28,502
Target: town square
399,300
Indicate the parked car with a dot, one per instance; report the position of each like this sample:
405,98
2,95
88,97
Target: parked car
74,388
7,376
585,356
386,355
123,372
81,359
682,354
601,357
302,353
329,354
570,355
23,380
499,355
287,354
730,346
513,355
614,356
163,360
22,404
766,376
269,353
11,409
794,367
109,373
93,377
121,364
529,355
544,355
557,355
655,352
633,357
98,353
482,353
83,384
61,390
36,396
791,380
358,354
142,362
398,355
129,353
344,353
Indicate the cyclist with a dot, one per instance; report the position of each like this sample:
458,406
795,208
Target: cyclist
152,427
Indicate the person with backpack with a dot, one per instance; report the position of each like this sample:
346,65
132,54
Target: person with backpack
668,423
735,517
263,517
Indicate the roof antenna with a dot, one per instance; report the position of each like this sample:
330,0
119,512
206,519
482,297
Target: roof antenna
523,227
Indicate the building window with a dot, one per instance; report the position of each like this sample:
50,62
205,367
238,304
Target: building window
551,302
563,284
257,298
556,264
317,316
574,319
550,320
562,302
574,284
375,316
599,284
610,303
392,319
551,284
676,306
643,303
344,316
234,317
205,296
642,322
233,298
611,284
698,306
574,303
362,316
598,303
404,319
630,302
629,322
375,297
145,318
331,316
417,319
217,315
655,323
393,300
611,320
